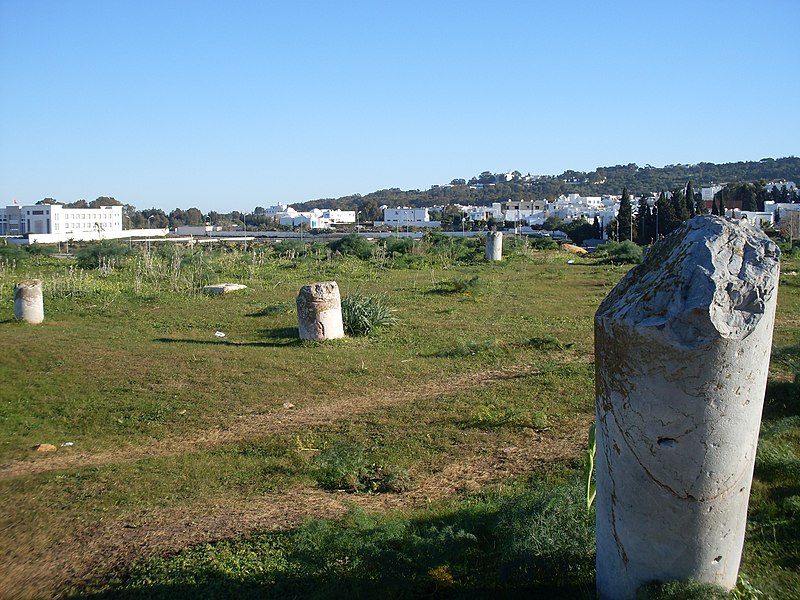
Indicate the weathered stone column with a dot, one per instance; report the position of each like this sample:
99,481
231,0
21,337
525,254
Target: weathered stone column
494,245
682,347
28,301
319,311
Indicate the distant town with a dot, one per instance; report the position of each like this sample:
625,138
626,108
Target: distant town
641,217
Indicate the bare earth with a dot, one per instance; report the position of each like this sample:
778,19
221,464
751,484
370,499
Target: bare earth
60,560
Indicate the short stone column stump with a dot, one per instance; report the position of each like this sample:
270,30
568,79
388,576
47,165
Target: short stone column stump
494,245
29,302
319,312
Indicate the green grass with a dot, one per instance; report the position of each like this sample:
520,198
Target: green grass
127,367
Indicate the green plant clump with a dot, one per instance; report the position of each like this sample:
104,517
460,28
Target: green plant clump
620,253
361,314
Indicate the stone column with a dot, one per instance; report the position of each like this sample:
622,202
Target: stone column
319,311
28,301
682,347
494,245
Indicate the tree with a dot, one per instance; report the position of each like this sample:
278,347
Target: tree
666,219
646,230
194,217
679,205
49,201
625,217
104,201
690,200
458,181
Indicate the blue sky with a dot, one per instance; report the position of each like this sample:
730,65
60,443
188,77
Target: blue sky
231,105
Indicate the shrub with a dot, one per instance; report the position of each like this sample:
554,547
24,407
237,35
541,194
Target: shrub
352,245
92,255
361,315
344,466
473,286
13,252
396,246
619,253
543,243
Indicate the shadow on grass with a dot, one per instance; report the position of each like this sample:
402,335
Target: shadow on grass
273,338
535,543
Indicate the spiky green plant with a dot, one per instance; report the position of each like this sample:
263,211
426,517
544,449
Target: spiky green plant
363,314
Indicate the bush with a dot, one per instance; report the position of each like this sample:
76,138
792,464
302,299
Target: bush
543,243
13,252
352,245
344,466
92,255
361,315
619,253
397,246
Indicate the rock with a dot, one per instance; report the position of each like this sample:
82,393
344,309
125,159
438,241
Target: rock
45,448
574,249
682,348
223,288
288,405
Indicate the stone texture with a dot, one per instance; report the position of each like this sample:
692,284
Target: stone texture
223,288
494,245
319,312
682,347
28,301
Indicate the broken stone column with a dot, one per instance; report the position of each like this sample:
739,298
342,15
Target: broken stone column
319,311
682,347
494,245
28,301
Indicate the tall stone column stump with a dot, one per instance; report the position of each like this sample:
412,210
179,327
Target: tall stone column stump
319,312
682,348
494,245
28,301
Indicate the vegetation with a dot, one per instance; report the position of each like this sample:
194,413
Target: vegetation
364,314
442,457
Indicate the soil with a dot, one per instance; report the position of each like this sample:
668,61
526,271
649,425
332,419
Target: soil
63,561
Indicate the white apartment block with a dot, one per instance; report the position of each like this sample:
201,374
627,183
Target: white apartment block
406,217
60,223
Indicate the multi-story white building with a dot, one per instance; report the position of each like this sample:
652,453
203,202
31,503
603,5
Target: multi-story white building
61,223
407,217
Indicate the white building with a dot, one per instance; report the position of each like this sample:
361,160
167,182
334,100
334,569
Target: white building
407,217
61,223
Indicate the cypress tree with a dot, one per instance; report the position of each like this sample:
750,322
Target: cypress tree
690,204
679,205
625,217
714,209
667,219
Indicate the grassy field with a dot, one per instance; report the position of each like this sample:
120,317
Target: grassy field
439,457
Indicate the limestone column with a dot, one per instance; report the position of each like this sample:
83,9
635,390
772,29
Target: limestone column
319,311
494,245
682,347
28,301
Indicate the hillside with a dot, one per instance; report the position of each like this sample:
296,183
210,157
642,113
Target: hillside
603,180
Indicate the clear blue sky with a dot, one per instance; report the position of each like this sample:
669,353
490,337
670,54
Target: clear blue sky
231,105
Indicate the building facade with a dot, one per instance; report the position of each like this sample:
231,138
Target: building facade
61,222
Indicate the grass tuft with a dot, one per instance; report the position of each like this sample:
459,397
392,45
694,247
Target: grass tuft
362,315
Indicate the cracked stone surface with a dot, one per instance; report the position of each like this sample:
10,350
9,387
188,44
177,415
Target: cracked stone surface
28,301
319,312
682,348
494,245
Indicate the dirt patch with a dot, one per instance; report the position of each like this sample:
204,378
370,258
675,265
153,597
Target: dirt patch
263,424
